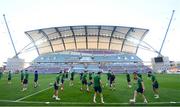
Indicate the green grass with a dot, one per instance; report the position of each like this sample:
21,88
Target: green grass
9,93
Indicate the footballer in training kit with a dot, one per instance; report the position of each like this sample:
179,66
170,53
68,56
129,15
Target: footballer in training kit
97,87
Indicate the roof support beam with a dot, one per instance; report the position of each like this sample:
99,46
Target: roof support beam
112,33
60,35
125,38
73,36
99,31
141,40
86,37
41,31
33,42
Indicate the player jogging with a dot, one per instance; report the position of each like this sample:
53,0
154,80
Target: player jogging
155,86
149,74
90,78
84,81
72,79
139,75
25,81
97,87
81,74
35,79
108,77
62,80
66,73
1,74
128,78
112,81
22,76
56,86
140,89
9,77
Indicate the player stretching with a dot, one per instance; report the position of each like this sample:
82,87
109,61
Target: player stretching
84,81
56,86
97,87
140,89
35,79
25,81
72,79
128,78
112,81
155,86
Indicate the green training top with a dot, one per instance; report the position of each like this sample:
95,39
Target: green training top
153,78
90,75
58,78
108,74
26,76
139,75
9,74
84,76
0,74
128,76
97,81
22,74
72,74
63,76
139,83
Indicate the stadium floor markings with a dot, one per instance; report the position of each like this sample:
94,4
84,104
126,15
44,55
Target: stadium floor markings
32,94
79,103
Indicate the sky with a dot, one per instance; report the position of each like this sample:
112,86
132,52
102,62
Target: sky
25,15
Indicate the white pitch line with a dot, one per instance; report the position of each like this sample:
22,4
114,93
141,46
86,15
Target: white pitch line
85,103
32,94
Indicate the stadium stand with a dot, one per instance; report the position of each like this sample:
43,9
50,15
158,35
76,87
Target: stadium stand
91,47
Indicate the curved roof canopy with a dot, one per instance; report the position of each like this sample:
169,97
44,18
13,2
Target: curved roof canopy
87,37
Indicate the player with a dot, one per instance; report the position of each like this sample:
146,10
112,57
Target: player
155,86
140,89
9,77
128,78
112,81
81,74
66,73
97,87
139,75
35,79
149,74
22,76
1,73
25,81
90,78
84,81
62,80
108,77
72,78
56,86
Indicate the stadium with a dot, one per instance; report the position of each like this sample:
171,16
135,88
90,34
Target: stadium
86,49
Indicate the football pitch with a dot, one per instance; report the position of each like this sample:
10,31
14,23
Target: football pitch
12,94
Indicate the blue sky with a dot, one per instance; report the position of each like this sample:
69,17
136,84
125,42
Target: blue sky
24,15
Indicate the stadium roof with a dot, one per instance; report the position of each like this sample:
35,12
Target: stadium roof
87,37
